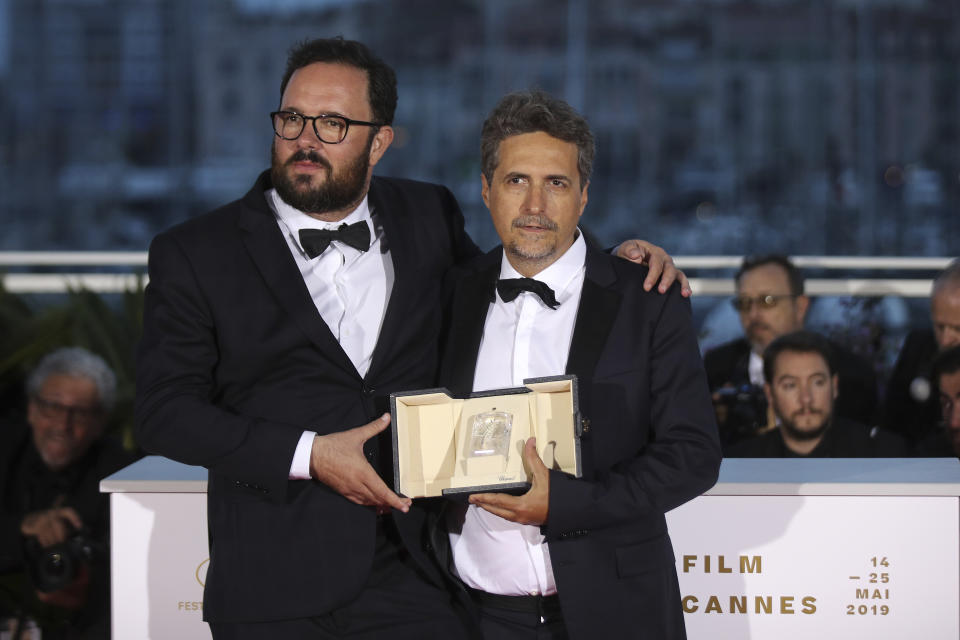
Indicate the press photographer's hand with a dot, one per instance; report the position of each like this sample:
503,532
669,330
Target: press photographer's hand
51,526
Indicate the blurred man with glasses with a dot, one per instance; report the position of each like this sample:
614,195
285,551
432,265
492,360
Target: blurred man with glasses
50,500
771,302
275,329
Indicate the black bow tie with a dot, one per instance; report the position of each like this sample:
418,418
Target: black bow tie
316,241
510,288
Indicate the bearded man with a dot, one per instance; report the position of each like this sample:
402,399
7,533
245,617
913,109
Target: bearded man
802,386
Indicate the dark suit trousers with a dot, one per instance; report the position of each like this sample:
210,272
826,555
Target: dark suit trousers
397,603
501,624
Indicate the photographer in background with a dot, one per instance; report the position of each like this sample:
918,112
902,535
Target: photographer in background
944,441
54,522
912,406
771,302
802,387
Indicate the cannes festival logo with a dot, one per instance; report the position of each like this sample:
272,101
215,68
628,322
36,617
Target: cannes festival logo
201,572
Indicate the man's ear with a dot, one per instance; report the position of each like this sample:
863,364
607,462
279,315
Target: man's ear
835,383
485,190
381,142
583,198
803,304
767,391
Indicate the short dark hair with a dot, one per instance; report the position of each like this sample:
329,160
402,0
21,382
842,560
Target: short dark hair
794,277
529,112
946,362
802,341
381,79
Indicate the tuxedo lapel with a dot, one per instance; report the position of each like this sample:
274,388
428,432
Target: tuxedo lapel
471,300
400,246
599,303
271,255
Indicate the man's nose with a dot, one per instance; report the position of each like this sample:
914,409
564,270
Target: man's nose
63,421
308,138
534,200
951,337
953,416
754,311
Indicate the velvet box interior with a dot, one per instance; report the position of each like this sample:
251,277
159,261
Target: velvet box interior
457,446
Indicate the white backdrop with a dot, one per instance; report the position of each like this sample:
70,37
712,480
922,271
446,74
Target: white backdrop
878,567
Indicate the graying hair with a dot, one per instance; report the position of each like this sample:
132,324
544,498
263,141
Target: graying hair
950,276
529,112
79,363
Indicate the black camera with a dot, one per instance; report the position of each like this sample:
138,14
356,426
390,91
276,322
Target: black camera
745,409
55,567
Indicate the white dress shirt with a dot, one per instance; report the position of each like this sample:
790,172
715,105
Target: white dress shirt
755,368
349,287
521,339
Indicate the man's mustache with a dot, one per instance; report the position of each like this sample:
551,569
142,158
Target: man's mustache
308,156
534,220
756,325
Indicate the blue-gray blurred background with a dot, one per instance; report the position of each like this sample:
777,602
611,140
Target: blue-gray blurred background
808,127
723,126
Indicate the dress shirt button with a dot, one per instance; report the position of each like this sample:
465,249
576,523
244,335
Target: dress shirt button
534,592
585,423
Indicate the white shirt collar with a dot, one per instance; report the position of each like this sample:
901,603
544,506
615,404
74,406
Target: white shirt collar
559,275
293,220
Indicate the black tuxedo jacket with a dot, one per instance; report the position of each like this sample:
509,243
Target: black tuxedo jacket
842,439
913,415
236,362
649,444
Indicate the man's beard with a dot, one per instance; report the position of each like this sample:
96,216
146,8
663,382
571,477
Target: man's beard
517,249
336,193
789,425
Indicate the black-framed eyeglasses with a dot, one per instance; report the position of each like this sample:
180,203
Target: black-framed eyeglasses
744,303
331,129
56,411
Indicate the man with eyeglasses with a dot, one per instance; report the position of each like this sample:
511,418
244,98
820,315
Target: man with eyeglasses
50,470
770,301
275,329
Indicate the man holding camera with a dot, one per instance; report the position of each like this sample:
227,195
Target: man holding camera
54,523
802,387
771,302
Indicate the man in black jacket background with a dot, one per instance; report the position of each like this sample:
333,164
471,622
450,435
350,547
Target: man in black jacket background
50,500
771,302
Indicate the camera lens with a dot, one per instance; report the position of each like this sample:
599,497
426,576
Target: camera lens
55,565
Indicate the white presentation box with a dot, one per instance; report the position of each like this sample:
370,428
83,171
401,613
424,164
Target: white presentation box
447,446
784,549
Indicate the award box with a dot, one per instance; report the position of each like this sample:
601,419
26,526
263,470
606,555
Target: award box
448,446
